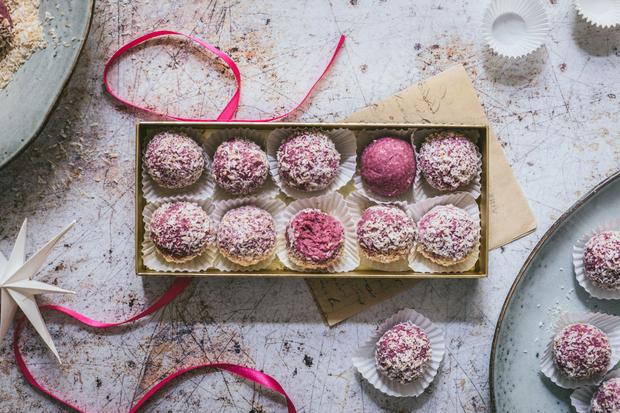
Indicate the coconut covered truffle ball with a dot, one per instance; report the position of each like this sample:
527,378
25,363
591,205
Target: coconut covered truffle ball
385,233
581,351
601,259
447,235
174,160
181,231
240,166
246,235
388,166
308,161
606,399
448,161
314,239
403,352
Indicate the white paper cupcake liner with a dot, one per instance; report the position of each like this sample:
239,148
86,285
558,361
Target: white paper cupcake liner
364,138
203,188
346,144
578,265
604,14
582,397
215,139
364,358
419,262
155,261
272,205
609,324
332,204
515,28
422,189
358,204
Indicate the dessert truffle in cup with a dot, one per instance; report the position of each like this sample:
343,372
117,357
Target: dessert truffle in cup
240,166
314,239
246,235
606,399
181,231
385,233
601,259
388,167
447,235
308,161
174,160
581,351
448,160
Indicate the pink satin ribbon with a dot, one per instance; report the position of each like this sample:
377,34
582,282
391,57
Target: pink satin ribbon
180,284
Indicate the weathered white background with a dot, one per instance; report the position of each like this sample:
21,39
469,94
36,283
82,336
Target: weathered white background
557,115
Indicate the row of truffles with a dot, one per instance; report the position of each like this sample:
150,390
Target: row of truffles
314,239
309,161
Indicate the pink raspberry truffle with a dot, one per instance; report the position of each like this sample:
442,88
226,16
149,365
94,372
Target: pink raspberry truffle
388,166
601,260
308,161
247,235
240,166
181,231
581,351
448,161
314,239
606,399
403,352
385,233
174,160
447,235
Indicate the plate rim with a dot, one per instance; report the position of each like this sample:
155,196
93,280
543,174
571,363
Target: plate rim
525,267
65,81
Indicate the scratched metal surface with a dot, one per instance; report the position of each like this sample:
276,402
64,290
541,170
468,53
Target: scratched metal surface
557,115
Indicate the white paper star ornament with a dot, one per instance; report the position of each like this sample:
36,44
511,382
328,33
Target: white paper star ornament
18,290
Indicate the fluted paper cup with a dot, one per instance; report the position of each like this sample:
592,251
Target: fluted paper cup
600,13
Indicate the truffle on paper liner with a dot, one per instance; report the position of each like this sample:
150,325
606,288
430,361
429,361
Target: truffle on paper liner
582,397
272,205
358,204
203,188
364,358
423,190
268,189
604,14
345,143
609,324
515,28
153,260
365,138
463,200
578,265
333,204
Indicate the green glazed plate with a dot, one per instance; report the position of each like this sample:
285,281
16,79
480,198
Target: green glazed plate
29,98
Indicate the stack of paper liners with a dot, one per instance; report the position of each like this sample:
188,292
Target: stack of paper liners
449,98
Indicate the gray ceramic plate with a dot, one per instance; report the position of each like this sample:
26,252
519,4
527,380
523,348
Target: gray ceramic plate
545,286
29,98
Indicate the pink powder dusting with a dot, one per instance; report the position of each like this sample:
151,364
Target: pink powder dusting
385,233
314,237
601,260
388,166
606,399
240,166
581,351
174,160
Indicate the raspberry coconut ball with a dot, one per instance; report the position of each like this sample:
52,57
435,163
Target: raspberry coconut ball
388,167
447,235
174,160
385,233
247,235
181,231
314,239
240,166
448,161
308,161
581,351
403,352
606,399
601,260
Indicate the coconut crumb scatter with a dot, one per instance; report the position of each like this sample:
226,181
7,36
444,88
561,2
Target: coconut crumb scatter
27,37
